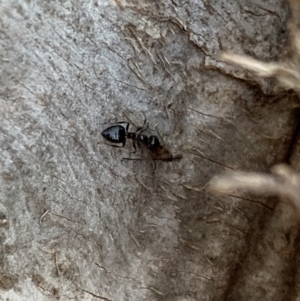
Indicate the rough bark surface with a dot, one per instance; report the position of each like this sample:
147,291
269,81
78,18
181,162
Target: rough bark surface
77,222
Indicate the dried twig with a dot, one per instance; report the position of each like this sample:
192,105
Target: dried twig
286,72
283,182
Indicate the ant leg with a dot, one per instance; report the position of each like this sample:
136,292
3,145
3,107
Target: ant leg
145,125
134,147
132,159
159,133
117,146
140,130
130,120
154,168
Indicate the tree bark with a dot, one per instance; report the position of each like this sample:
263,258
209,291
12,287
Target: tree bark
77,221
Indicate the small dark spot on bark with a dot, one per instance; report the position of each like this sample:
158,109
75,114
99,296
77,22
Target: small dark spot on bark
54,291
282,31
288,237
2,218
9,249
7,281
20,10
37,279
98,190
7,176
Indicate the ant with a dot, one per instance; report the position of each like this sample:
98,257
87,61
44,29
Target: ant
120,132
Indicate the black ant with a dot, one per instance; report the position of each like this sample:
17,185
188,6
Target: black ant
119,133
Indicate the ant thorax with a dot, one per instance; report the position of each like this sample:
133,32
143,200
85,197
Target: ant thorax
131,131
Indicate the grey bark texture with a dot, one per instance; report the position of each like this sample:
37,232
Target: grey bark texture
79,223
